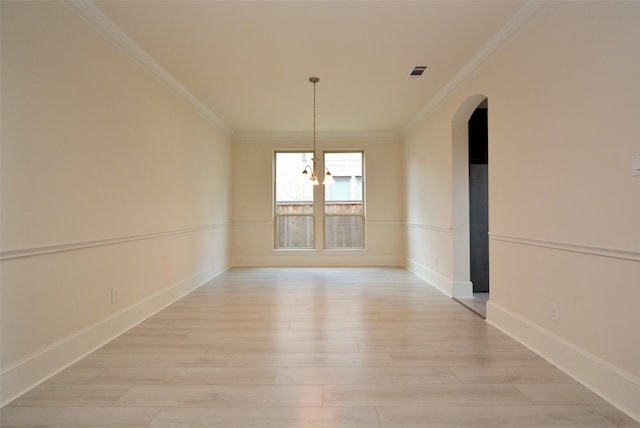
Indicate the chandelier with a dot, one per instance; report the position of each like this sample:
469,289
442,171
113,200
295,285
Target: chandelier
312,172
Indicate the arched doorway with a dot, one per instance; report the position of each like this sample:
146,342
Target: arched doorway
470,197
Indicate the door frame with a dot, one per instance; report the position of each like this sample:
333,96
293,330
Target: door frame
462,286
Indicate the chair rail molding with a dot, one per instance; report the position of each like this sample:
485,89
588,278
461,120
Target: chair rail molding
445,229
79,245
617,253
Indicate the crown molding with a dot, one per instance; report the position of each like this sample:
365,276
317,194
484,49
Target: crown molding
321,136
109,30
517,21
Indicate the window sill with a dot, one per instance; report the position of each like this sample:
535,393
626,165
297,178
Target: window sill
350,251
289,251
308,251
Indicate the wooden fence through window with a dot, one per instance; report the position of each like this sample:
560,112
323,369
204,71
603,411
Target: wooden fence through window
343,229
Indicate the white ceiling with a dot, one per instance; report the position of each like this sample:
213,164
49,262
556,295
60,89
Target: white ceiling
249,62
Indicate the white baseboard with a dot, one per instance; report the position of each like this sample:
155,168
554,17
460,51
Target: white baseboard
36,368
434,278
619,388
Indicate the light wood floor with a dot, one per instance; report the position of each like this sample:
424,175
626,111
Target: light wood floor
476,303
336,347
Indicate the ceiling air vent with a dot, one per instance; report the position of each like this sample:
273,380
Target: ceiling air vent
417,71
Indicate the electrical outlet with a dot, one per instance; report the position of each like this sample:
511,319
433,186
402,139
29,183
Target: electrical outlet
635,165
554,312
115,295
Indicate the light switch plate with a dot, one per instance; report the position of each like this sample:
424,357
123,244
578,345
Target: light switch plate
635,171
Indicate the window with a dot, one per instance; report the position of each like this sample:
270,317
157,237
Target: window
293,208
343,203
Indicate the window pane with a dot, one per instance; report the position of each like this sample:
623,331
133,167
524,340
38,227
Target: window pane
343,207
294,208
294,221
344,231
292,190
294,231
340,190
345,195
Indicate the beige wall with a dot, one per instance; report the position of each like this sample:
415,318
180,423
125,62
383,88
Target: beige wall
564,208
253,204
428,165
109,180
